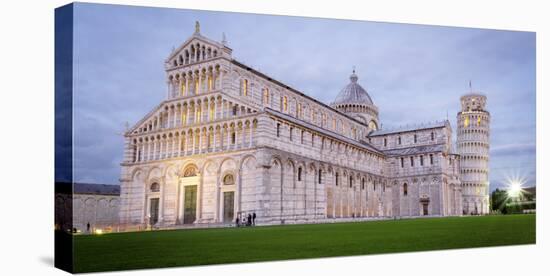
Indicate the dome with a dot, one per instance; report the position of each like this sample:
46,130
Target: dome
353,93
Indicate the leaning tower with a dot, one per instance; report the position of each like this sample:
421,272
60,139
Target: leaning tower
473,146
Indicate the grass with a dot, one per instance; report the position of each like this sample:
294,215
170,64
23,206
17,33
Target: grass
154,249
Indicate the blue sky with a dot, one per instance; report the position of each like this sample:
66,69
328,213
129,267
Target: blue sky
414,73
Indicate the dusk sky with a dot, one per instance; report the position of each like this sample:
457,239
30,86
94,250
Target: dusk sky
414,74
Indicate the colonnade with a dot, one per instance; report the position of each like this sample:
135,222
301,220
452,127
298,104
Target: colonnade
226,136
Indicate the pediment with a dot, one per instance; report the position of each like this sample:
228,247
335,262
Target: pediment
149,119
186,52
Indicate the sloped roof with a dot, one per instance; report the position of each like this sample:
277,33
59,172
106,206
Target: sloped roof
96,189
416,150
437,124
322,130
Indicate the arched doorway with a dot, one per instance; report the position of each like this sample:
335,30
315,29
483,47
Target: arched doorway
425,202
154,203
190,182
228,199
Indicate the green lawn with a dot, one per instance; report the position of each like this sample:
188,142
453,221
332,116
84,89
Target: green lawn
232,245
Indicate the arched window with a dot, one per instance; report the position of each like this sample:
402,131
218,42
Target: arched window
433,136
211,113
245,87
228,180
198,115
134,153
350,181
155,187
415,138
196,86
336,179
183,88
210,140
405,189
362,184
373,125
285,104
210,83
266,96
399,140
466,121
300,174
319,175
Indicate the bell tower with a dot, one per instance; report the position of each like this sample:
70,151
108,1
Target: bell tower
473,134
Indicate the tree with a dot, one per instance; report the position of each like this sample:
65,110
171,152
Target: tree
499,199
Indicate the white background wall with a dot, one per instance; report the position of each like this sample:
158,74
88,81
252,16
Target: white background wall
26,61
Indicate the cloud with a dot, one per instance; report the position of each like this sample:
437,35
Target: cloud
414,73
513,149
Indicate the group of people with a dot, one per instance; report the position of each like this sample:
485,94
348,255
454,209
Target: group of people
245,220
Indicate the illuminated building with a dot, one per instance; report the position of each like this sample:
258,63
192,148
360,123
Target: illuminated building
240,142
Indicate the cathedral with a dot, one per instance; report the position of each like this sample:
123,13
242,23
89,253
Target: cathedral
229,141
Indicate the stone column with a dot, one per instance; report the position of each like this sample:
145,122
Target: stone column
188,116
149,148
221,79
178,140
206,115
218,191
200,141
173,147
200,75
186,86
251,133
214,140
229,133
162,148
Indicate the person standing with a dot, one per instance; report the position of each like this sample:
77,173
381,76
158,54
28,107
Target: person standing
254,218
249,219
88,227
237,221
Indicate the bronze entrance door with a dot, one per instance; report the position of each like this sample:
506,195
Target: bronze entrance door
228,206
190,205
425,209
154,211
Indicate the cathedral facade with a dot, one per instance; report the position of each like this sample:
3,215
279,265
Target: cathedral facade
229,140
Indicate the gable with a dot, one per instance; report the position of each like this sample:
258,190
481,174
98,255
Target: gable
151,120
196,48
